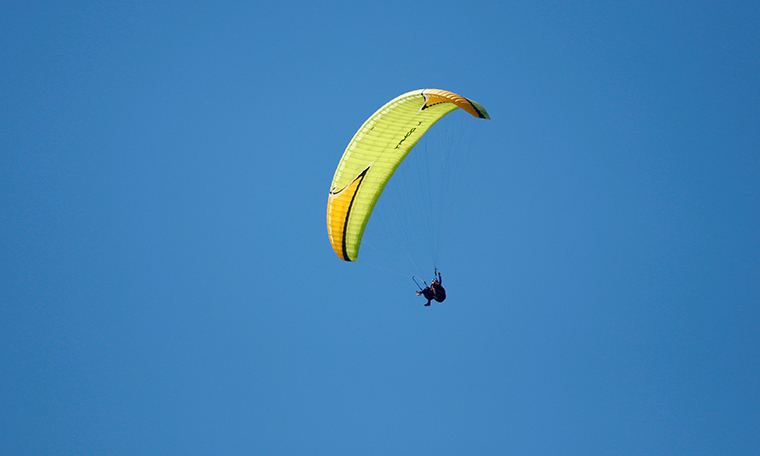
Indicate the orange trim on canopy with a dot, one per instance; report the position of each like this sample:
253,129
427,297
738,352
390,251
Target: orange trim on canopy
435,96
338,210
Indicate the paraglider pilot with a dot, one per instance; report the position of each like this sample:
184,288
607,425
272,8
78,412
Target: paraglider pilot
434,290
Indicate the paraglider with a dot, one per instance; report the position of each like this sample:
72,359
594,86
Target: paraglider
433,291
373,155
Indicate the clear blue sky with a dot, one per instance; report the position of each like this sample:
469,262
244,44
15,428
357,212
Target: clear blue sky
166,282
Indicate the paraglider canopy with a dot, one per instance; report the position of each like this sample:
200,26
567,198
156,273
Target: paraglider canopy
374,154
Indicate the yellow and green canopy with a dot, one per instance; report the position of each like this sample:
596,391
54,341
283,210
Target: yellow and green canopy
373,155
